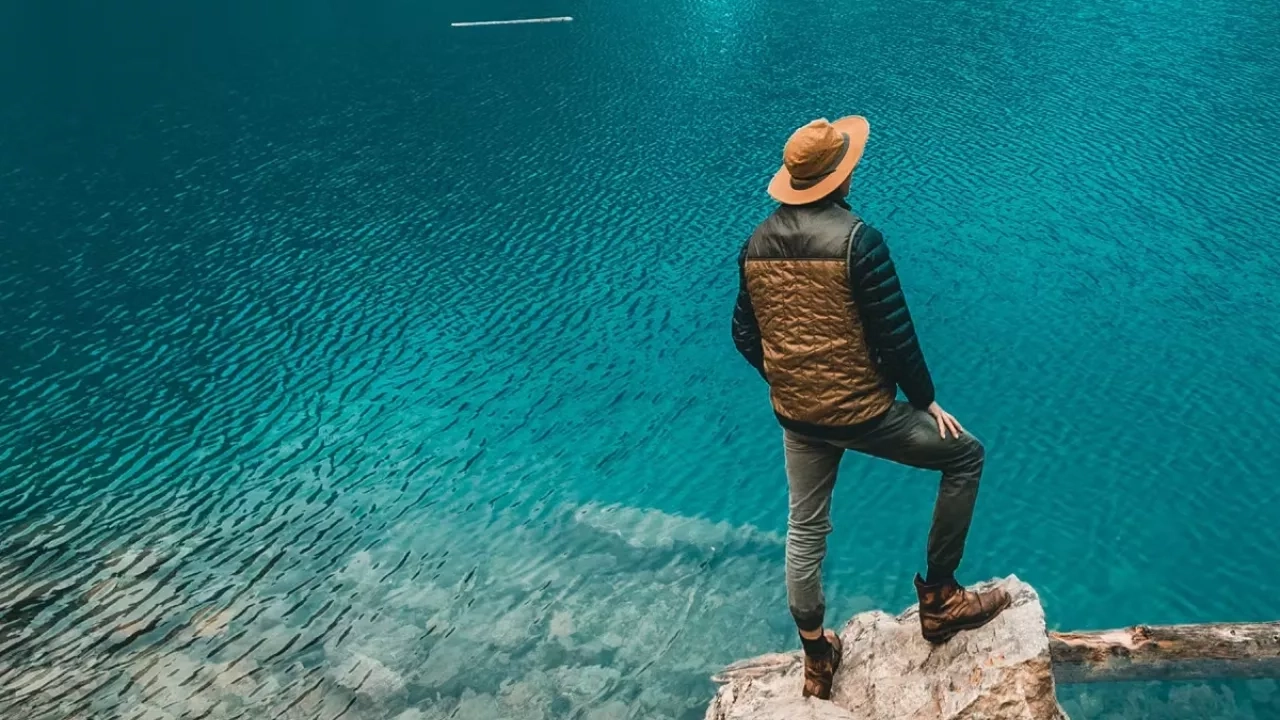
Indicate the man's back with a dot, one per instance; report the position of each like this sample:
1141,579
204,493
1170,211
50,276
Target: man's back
820,368
822,316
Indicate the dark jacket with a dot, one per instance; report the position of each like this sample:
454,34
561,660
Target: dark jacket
822,317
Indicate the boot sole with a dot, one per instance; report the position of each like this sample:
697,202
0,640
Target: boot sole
940,638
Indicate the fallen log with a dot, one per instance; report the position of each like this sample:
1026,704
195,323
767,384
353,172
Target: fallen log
1167,652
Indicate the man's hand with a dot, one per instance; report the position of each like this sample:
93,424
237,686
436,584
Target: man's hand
946,421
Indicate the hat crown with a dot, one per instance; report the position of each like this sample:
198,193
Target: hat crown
813,150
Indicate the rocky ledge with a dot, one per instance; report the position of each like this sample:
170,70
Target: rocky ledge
999,672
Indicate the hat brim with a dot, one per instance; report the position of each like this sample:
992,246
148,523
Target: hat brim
858,130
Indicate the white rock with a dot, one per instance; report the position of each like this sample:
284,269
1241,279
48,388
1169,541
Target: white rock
359,569
475,706
528,698
397,645
513,627
561,625
145,712
443,663
653,529
612,710
999,672
366,676
585,684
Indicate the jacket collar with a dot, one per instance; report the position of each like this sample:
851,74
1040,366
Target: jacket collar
828,200
824,202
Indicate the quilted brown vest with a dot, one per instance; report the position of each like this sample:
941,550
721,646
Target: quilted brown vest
820,369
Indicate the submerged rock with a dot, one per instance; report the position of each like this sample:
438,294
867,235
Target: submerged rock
999,672
367,676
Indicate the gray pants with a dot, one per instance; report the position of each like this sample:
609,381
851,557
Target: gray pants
904,435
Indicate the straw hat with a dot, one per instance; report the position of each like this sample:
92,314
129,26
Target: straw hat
817,158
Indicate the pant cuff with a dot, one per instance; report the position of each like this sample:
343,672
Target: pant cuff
809,620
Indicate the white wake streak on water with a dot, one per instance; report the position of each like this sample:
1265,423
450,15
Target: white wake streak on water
525,21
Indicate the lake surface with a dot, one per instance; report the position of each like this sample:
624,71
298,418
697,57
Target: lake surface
357,366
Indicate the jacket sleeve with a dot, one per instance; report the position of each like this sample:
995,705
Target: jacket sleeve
890,333
746,331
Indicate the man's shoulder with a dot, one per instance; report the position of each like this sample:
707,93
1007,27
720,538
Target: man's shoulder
868,252
865,234
805,231
858,219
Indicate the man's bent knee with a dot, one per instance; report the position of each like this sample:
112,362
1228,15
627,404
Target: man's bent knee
977,451
971,456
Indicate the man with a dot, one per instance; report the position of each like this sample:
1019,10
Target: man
822,317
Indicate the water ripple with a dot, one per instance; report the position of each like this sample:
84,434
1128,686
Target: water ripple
356,369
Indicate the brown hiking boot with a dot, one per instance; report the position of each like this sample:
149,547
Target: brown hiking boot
819,673
947,608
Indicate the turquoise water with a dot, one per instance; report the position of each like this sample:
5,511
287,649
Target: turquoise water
355,366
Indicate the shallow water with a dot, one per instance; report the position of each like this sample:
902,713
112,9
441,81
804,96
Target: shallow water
355,365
